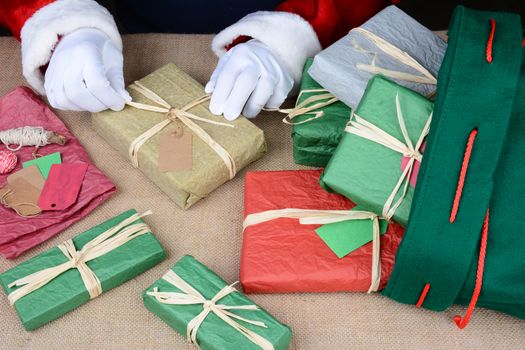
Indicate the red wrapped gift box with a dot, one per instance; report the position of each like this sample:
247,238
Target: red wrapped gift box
22,107
283,255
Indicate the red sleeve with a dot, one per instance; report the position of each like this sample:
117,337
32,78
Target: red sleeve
14,13
332,19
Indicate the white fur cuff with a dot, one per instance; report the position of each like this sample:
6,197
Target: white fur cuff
287,34
41,33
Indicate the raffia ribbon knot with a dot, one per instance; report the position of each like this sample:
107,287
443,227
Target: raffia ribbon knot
415,155
363,128
173,114
190,296
111,239
323,217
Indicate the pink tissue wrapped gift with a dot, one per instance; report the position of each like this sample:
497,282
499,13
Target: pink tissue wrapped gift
22,107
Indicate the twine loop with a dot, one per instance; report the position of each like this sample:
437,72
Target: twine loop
24,136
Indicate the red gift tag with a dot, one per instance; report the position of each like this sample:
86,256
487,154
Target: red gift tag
417,164
62,186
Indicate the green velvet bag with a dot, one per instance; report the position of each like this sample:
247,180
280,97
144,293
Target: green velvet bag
67,290
222,318
367,171
463,244
315,141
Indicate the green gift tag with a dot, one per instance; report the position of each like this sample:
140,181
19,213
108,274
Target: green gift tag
44,163
346,236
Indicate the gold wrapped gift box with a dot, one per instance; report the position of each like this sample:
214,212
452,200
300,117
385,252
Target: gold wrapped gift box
244,141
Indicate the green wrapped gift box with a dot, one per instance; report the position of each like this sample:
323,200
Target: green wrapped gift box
200,289
367,166
240,139
137,253
315,141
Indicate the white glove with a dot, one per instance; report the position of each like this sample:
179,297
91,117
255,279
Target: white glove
247,78
85,73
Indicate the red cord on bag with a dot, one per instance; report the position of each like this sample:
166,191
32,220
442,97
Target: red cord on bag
489,42
463,322
423,295
523,43
462,175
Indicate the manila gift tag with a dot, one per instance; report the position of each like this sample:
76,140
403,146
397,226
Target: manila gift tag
23,190
62,186
346,236
175,152
31,174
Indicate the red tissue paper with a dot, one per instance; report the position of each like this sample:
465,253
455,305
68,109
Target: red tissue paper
283,255
22,107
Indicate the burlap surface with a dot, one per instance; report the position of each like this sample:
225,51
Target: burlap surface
211,231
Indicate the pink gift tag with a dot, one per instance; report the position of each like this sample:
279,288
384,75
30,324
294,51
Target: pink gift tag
415,169
62,186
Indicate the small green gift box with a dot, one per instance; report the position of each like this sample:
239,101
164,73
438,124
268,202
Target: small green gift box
61,279
315,139
197,303
377,161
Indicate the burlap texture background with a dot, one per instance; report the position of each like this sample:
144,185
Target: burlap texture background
211,231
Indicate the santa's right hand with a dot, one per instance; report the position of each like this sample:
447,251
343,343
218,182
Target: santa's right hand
85,73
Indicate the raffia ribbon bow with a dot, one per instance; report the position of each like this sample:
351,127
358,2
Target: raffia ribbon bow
311,105
113,238
174,114
323,217
360,127
398,55
190,296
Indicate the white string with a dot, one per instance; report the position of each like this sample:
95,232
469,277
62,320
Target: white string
24,136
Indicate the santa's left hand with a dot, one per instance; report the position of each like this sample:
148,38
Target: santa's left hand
247,78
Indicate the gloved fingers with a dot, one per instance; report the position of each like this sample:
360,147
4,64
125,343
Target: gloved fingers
210,86
76,91
276,100
114,63
225,83
243,88
116,80
99,86
59,100
282,89
54,86
259,97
